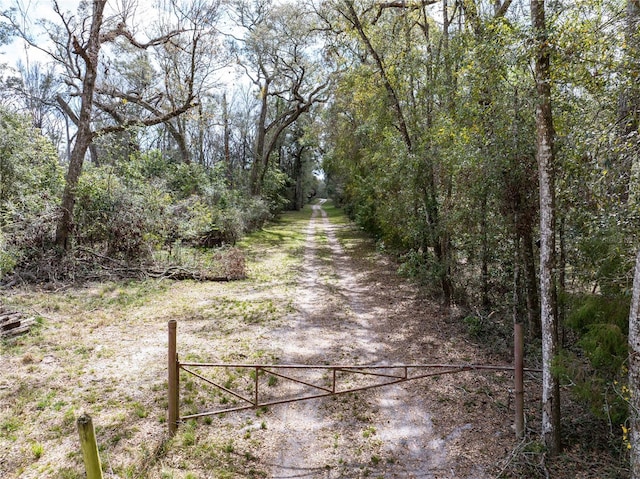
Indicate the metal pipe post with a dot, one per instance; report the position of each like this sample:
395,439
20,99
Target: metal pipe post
518,348
173,380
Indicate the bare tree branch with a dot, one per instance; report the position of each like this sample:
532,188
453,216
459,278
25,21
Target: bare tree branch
150,121
122,31
67,109
416,5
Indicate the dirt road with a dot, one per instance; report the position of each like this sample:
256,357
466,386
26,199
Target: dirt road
317,293
350,310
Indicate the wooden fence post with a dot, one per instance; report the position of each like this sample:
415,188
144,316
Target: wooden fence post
89,447
518,347
173,380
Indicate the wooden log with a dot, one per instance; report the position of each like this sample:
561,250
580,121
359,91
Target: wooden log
16,331
12,324
9,317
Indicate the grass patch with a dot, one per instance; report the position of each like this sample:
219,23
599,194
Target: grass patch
368,432
336,215
274,253
37,450
95,348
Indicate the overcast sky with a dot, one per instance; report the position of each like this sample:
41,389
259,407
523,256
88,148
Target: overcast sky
43,9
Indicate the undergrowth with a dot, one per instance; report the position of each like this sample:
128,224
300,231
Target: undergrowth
94,350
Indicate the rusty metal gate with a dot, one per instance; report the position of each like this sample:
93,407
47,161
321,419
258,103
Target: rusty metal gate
330,380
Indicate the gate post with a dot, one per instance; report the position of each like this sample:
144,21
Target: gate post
173,380
89,447
518,347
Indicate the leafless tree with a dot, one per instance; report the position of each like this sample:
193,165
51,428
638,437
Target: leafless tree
277,54
101,101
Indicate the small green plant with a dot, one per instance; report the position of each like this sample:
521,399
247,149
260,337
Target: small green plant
261,411
9,426
474,325
273,380
228,447
139,410
368,432
37,450
45,401
188,438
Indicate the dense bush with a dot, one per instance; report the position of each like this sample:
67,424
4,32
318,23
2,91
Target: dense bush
132,209
113,218
594,364
126,209
31,180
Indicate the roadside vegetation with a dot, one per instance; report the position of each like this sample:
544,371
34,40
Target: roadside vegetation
491,149
100,348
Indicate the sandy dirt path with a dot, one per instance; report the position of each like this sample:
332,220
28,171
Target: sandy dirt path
102,349
347,313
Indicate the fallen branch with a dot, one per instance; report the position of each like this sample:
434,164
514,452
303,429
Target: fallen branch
181,273
89,265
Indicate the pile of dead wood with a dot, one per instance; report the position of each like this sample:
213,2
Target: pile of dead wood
13,323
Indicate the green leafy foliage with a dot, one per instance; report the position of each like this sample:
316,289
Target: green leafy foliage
590,310
135,207
127,208
29,169
112,216
596,365
30,182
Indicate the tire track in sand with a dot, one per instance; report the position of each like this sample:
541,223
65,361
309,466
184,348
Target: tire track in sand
385,433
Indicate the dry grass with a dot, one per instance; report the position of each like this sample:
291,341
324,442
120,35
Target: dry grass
101,348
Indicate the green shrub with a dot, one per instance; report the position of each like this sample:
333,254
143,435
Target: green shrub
112,217
31,181
187,179
606,347
8,257
588,310
596,366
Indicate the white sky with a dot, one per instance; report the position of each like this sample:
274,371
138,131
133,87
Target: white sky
43,9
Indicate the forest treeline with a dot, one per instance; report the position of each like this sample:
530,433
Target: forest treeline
430,120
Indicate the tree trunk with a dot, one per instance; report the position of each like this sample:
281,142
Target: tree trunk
545,157
261,136
227,140
629,104
179,136
446,56
634,373
84,136
531,284
298,193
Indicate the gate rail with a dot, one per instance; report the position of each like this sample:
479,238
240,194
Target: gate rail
403,373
